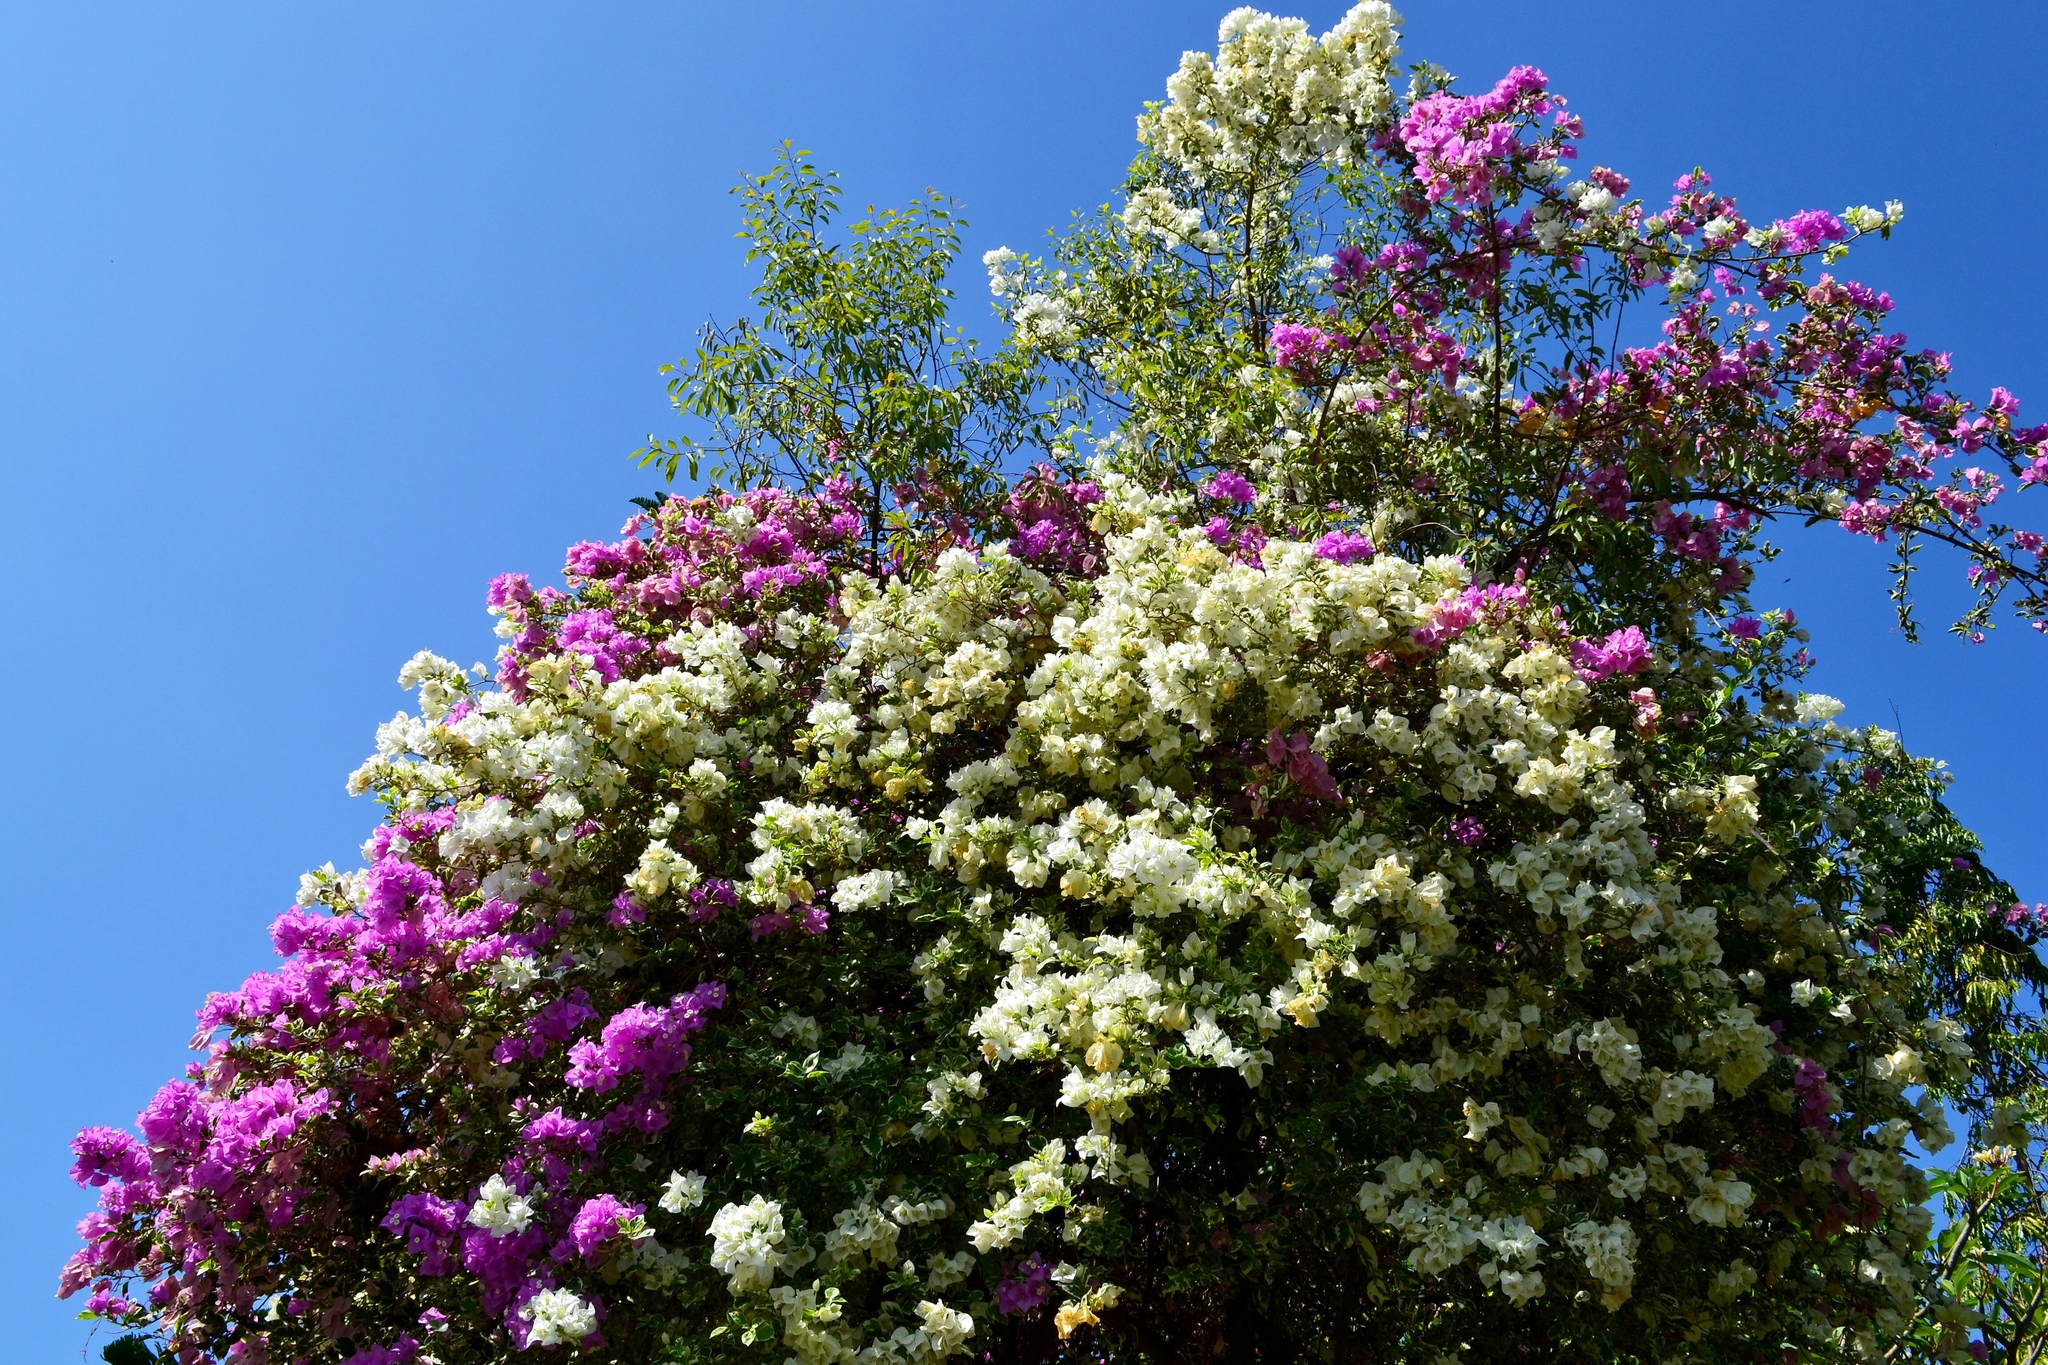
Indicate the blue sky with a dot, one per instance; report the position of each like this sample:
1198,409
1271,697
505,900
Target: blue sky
317,316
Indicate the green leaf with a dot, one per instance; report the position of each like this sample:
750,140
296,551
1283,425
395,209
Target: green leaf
128,1350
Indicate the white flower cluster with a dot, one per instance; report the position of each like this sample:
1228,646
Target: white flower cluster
682,1192
1040,308
559,1318
1273,93
746,1243
795,840
499,1209
1152,213
815,1331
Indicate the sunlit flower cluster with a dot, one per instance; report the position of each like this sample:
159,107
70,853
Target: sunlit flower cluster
1273,87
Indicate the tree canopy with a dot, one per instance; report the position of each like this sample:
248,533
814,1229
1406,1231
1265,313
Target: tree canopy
1254,820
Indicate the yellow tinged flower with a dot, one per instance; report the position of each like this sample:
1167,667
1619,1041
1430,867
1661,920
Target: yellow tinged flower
1073,1316
1104,1053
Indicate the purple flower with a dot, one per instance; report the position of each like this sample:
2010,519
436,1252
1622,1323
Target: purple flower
1348,269
1300,350
597,1222
762,581
1809,1081
593,635
1345,547
1025,1284
1304,767
252,1127
1036,540
108,1304
389,887
429,1224
1053,525
710,896
593,559
174,1119
770,924
1809,230
1607,490
1230,485
500,1263
1745,628
1468,831
107,1154
508,590
625,910
642,1039
554,1022
398,1353
1446,620
1626,651
1460,144
555,1128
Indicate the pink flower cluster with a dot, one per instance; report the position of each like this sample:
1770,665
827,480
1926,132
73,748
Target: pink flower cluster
207,1163
598,1223
1816,1099
1301,350
1407,350
1303,766
1453,616
645,1041
1235,534
1464,147
1626,652
429,1224
1691,536
755,546
1245,542
2018,915
1607,490
1344,547
1230,486
1732,409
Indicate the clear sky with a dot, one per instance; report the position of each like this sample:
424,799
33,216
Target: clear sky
313,317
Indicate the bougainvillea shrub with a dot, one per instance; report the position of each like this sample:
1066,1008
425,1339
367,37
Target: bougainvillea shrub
866,965
1339,869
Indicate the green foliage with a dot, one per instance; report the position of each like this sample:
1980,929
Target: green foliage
1989,1255
854,365
128,1350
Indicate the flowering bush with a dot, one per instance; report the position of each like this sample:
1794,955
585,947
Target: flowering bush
1337,871
1416,308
